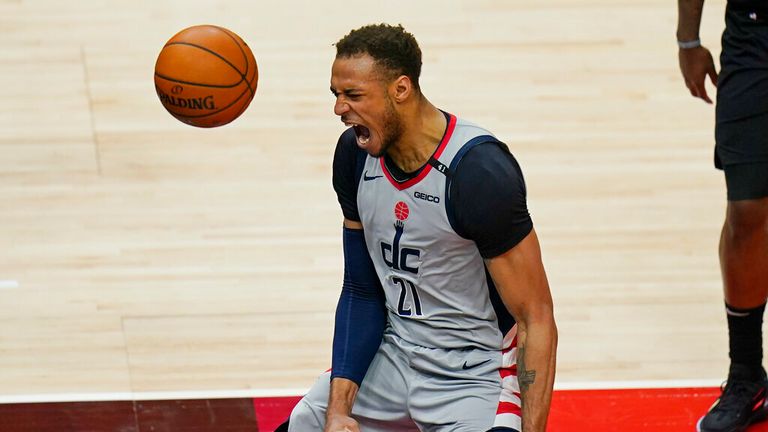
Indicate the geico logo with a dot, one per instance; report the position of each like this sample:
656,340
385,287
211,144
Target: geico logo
426,197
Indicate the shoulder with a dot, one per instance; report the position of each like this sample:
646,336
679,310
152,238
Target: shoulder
487,198
348,160
472,138
347,144
347,157
490,159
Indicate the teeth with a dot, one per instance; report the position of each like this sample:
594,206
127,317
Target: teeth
363,140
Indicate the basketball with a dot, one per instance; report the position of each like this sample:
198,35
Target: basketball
206,76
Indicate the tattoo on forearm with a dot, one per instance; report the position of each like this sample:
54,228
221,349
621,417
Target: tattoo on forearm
525,377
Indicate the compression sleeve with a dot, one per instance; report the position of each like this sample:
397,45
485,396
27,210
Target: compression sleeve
360,314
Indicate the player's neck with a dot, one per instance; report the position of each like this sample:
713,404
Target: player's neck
424,127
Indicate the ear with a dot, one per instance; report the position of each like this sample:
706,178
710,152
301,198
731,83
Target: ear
401,89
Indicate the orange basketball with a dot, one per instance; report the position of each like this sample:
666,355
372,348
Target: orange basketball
206,76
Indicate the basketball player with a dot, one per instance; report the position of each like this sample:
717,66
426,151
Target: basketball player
439,248
741,151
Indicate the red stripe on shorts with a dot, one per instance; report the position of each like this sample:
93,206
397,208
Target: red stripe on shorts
511,346
508,408
510,371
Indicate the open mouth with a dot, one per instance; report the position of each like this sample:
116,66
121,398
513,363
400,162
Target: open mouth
362,133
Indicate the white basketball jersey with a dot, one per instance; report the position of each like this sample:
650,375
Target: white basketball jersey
435,282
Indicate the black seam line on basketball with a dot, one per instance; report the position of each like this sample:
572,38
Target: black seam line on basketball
243,107
213,112
167,78
245,57
242,77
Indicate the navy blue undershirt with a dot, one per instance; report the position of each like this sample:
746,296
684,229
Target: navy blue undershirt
488,194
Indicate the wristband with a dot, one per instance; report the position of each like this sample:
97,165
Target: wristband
689,44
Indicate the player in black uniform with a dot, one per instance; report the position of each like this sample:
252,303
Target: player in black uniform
741,151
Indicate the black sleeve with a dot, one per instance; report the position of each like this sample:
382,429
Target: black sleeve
361,314
488,199
347,165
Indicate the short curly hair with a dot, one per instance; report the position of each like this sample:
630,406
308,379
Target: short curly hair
394,49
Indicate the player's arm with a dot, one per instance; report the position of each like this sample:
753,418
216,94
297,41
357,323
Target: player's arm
489,196
360,313
360,321
522,284
696,62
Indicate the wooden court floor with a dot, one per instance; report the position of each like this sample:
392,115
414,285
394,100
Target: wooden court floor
142,255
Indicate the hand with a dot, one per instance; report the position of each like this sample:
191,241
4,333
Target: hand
341,423
696,64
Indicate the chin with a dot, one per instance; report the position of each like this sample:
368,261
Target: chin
380,150
377,153
373,150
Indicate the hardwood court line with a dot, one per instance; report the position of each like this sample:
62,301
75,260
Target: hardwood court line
264,393
9,284
89,96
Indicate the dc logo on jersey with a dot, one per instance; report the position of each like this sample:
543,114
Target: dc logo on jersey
395,256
